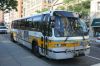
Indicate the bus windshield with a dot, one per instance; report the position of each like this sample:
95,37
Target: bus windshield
69,26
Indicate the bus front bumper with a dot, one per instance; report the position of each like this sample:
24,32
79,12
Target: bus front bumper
54,54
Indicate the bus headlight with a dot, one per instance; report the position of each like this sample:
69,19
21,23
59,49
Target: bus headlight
84,43
57,45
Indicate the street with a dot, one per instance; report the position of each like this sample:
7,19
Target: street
14,54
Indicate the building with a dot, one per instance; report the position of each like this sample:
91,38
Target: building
20,9
31,6
95,9
1,17
94,12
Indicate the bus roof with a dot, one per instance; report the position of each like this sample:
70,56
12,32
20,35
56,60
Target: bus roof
67,14
57,12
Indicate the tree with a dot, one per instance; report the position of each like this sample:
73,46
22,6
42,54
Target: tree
38,11
43,10
8,5
60,8
67,1
68,4
86,4
82,7
76,8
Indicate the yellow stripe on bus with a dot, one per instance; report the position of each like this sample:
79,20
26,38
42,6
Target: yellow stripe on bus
51,44
63,44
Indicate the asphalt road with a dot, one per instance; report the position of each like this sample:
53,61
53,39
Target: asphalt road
14,54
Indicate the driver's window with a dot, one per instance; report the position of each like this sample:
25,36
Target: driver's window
65,25
58,27
64,21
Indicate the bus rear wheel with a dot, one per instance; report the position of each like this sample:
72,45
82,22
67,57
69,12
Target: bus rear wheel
35,49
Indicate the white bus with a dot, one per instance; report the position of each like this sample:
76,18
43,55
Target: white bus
54,34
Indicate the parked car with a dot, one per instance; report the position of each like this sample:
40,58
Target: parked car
3,29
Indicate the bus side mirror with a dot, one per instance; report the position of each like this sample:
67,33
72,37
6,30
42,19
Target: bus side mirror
52,19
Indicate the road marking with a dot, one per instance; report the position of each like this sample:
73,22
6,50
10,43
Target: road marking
93,57
95,47
98,64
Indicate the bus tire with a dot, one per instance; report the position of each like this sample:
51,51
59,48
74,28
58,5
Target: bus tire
35,49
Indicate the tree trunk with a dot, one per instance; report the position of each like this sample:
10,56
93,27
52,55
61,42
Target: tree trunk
3,16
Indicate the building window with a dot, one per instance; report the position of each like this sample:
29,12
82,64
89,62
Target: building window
98,5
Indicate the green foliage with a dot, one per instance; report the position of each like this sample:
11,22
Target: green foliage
8,5
82,8
67,1
43,10
38,11
86,4
60,8
76,8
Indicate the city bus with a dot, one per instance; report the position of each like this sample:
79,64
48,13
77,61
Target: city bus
52,34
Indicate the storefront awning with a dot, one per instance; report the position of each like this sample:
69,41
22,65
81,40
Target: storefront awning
96,22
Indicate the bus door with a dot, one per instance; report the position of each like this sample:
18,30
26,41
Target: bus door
26,35
44,40
46,30
44,46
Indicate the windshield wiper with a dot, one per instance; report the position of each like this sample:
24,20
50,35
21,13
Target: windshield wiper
66,38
